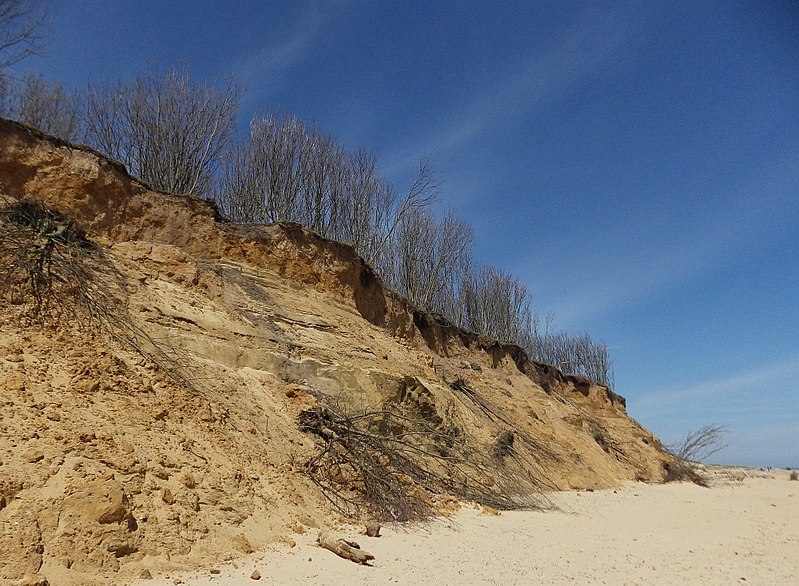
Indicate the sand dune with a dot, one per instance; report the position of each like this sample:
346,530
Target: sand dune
744,529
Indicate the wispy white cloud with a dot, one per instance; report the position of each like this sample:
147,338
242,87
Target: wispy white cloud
758,213
763,376
769,445
756,406
633,267
266,67
537,80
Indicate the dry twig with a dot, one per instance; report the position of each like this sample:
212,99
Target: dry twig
388,465
52,271
696,446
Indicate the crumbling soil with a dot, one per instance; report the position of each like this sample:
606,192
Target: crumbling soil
168,436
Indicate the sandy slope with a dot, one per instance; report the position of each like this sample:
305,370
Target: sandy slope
738,531
163,431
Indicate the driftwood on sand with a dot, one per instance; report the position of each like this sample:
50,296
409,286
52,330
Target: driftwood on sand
349,550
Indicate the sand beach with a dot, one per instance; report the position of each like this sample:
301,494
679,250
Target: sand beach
744,529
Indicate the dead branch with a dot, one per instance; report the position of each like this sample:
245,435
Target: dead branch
349,550
388,465
57,275
504,445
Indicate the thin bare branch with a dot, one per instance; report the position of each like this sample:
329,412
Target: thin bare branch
20,23
168,131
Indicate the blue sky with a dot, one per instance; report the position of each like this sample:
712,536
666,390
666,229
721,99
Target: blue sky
636,164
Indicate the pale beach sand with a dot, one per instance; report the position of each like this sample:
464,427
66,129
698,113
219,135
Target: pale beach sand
736,532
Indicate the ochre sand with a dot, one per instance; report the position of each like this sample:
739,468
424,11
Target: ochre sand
742,530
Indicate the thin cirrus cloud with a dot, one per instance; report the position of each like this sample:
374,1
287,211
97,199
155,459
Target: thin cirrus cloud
636,265
756,406
267,67
539,79
763,375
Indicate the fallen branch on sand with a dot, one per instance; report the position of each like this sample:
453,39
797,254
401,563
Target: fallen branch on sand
349,550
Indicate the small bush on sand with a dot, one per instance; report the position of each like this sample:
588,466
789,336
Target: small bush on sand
684,471
794,475
696,446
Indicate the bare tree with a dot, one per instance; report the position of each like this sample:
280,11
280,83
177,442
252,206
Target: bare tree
496,304
278,149
573,354
7,98
427,259
452,261
167,130
322,173
20,21
288,171
234,193
47,106
424,190
363,208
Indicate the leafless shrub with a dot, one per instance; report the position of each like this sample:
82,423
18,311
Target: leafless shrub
287,170
573,354
44,104
697,446
168,131
265,176
701,444
794,475
495,304
6,96
682,471
426,259
385,465
424,190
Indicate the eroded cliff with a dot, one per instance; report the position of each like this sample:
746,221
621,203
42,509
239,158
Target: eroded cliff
178,441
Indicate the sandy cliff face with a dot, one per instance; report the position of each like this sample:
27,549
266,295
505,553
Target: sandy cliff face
110,464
